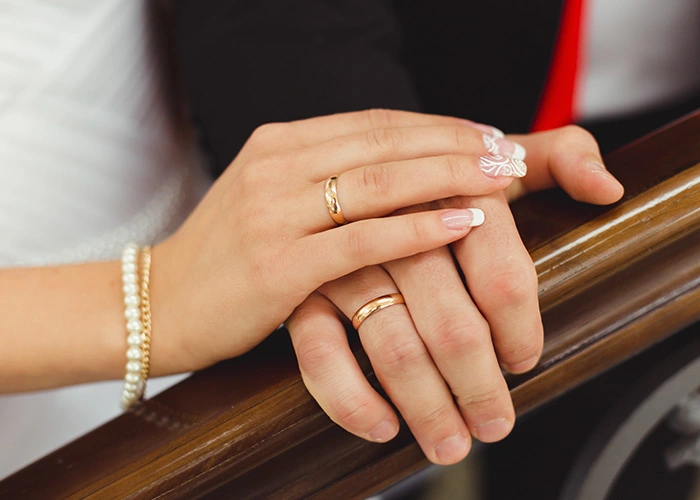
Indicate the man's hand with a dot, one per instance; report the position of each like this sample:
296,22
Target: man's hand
439,356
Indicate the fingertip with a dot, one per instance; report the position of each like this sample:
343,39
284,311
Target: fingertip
385,431
478,216
452,450
610,190
523,366
588,181
494,430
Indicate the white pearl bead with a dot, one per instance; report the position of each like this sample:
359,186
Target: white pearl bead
130,289
133,366
134,339
128,399
134,326
130,387
132,313
134,354
129,278
132,300
132,378
129,267
128,395
129,258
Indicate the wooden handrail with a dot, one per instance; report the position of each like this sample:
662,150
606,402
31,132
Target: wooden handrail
613,281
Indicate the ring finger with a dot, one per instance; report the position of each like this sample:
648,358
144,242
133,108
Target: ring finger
458,339
377,190
403,366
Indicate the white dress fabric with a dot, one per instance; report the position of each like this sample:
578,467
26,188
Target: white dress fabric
88,161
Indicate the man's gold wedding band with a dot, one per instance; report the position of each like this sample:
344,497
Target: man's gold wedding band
375,305
332,202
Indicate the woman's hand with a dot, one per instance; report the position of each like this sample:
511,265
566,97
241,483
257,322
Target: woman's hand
262,239
438,357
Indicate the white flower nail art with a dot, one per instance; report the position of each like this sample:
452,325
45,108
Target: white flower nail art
497,164
490,143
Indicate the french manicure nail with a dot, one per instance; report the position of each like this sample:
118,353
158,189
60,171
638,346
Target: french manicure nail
452,449
463,218
512,149
503,147
493,131
384,432
502,166
494,430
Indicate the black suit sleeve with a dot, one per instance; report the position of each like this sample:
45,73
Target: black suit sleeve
245,63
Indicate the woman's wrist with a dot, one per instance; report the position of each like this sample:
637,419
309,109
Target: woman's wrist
169,351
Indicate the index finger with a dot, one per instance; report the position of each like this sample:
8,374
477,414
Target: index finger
313,131
502,281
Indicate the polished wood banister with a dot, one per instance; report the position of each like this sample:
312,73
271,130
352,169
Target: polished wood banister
613,281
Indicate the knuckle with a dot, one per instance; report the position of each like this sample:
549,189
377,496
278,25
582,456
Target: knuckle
249,174
456,168
481,400
351,410
462,138
417,231
399,355
380,118
455,338
384,143
316,351
436,419
376,180
575,133
257,173
513,286
268,132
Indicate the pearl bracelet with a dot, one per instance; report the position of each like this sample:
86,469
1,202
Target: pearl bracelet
138,322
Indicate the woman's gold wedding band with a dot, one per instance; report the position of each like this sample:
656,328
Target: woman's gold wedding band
331,194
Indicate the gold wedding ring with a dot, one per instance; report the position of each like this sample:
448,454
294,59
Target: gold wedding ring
375,305
332,202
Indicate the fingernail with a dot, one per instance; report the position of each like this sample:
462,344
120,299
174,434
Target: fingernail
463,218
484,128
502,166
594,166
523,366
598,168
495,430
499,146
512,149
452,449
384,432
